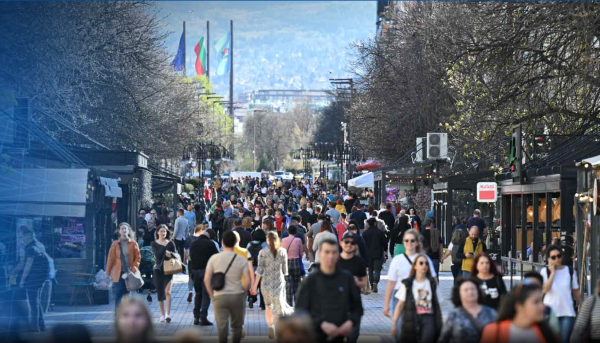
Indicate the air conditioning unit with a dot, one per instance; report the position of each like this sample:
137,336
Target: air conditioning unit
437,146
421,148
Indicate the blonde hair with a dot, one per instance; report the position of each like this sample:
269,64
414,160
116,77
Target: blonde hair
135,301
247,222
417,236
295,329
130,235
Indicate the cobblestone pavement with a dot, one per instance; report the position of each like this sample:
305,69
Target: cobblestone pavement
375,327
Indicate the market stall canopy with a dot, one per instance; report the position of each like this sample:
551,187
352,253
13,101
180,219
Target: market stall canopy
363,181
594,161
370,165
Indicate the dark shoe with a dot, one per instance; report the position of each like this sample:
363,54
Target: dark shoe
205,322
190,295
374,288
196,321
251,304
149,298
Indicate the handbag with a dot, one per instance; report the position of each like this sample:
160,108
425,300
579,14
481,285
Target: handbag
217,281
172,265
134,281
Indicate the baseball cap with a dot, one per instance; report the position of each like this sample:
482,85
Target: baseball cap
349,234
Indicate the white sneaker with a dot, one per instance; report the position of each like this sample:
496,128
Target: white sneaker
162,319
168,318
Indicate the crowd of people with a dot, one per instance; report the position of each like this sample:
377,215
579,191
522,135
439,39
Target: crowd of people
246,241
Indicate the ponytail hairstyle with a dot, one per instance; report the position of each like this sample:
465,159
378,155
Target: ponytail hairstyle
274,242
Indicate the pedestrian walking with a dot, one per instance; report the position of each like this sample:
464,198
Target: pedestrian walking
432,241
133,322
587,324
464,324
397,233
259,242
229,299
521,319
123,257
325,232
377,250
330,296
163,249
458,238
272,270
201,250
333,213
294,247
36,271
188,242
341,226
560,288
356,266
400,268
419,305
533,277
217,218
492,285
471,247
181,232
387,216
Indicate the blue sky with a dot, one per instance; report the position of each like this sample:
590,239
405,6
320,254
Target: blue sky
277,44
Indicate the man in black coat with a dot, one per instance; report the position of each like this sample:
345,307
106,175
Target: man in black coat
377,249
330,296
245,236
387,216
201,250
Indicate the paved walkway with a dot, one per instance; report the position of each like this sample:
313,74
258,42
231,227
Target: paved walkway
375,326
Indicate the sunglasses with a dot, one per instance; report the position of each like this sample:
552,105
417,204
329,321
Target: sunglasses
554,257
349,242
410,240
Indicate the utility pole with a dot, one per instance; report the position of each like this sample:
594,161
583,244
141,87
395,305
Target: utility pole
208,50
231,85
184,69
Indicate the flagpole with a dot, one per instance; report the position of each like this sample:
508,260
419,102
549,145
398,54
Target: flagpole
207,50
184,71
231,72
231,84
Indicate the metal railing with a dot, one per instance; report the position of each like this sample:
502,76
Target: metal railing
512,267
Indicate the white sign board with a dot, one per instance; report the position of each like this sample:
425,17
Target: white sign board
487,191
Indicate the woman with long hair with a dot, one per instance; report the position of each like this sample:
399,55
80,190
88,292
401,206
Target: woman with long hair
163,249
123,257
133,322
256,217
294,247
458,237
520,319
272,270
419,305
396,244
247,224
326,231
414,218
492,285
465,322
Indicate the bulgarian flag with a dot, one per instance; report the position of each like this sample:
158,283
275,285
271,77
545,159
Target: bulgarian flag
200,57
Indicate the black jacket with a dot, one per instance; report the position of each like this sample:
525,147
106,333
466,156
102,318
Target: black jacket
397,233
333,298
388,218
200,252
411,330
217,218
245,236
375,241
228,223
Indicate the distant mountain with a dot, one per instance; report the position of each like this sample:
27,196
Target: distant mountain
291,45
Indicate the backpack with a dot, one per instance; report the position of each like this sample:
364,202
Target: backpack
254,249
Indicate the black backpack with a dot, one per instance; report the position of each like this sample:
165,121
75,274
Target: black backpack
254,249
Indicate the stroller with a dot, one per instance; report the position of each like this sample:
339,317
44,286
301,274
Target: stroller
146,269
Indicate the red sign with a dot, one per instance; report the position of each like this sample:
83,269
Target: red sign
487,192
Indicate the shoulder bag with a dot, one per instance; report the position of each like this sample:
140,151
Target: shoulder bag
134,281
172,265
218,279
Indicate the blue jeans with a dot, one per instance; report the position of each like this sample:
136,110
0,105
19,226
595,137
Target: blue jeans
120,290
566,327
398,329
